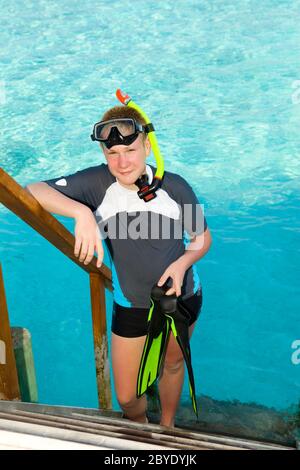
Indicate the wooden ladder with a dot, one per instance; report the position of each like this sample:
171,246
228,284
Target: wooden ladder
26,207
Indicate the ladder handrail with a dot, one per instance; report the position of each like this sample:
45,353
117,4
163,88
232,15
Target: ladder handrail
26,207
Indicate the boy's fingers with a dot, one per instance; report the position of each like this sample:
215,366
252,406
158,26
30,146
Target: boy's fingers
178,291
90,254
84,251
99,250
175,289
170,292
162,280
77,246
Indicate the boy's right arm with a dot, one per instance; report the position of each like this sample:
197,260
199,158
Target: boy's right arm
87,237
54,201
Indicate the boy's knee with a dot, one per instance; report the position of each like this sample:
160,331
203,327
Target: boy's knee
127,401
174,365
133,408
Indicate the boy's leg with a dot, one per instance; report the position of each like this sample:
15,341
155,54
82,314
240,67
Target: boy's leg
126,356
171,381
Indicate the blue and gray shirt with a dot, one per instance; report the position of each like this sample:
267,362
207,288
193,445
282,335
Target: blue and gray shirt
143,238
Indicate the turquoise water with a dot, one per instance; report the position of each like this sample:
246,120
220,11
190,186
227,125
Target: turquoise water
221,83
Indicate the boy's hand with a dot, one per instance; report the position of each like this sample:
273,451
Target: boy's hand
87,237
176,271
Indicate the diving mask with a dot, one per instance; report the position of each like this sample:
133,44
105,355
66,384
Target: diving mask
121,131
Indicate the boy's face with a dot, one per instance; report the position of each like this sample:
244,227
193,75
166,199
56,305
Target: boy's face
127,162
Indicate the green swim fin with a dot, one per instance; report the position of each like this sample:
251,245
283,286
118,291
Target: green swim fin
155,343
167,313
179,324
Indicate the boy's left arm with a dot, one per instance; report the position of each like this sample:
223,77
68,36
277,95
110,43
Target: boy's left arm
196,249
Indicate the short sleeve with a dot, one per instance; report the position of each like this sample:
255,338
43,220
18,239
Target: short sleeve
84,186
193,219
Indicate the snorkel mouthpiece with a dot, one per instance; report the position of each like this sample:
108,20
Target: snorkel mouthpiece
146,191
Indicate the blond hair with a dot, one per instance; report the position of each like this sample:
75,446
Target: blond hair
118,112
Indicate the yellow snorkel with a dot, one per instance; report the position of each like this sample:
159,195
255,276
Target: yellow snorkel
147,192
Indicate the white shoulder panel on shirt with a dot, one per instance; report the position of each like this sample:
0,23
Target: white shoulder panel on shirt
119,199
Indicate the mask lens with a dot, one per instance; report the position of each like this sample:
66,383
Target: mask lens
126,127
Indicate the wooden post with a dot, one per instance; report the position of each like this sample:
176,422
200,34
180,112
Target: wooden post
25,364
9,384
25,206
100,340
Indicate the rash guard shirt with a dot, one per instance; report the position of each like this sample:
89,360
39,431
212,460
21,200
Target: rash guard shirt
142,238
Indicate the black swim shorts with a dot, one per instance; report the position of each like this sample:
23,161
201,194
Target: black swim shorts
131,322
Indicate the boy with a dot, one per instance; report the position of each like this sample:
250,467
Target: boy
103,199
